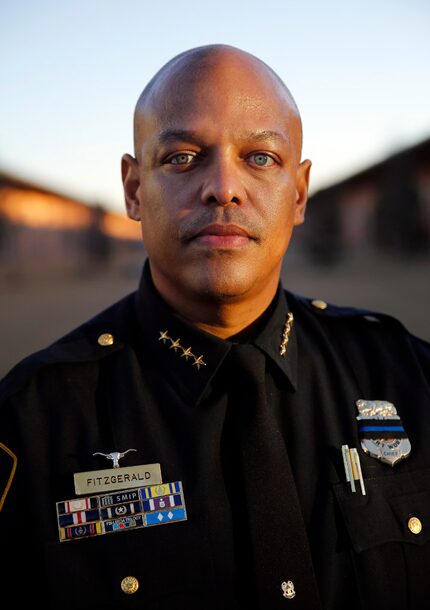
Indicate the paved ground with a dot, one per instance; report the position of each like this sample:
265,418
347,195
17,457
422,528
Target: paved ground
35,311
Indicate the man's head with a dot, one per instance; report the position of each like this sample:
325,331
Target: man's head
217,181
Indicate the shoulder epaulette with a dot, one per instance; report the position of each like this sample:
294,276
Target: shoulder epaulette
95,339
324,309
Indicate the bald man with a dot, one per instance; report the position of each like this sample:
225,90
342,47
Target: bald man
214,441
213,147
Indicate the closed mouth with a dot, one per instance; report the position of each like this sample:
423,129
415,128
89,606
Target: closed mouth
223,230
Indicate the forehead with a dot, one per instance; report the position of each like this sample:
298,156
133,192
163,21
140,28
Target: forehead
227,93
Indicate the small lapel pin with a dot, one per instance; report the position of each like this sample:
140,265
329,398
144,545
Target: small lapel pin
115,456
288,589
175,344
286,332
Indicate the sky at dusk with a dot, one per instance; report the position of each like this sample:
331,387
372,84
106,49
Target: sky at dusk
71,73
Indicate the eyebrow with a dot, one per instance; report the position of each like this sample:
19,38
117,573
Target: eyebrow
174,135
265,135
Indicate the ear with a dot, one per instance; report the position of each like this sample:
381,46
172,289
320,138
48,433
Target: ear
302,187
131,183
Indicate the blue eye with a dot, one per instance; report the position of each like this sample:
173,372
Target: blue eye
181,159
261,159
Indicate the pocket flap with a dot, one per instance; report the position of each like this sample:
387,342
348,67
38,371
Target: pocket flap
384,513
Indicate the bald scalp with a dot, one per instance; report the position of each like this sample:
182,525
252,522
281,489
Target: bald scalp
193,65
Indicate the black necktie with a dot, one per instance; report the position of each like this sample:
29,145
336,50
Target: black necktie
280,565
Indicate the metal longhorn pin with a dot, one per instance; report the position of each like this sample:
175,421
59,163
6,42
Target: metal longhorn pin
115,456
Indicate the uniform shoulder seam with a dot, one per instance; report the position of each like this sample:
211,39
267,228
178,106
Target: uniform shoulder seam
327,310
93,340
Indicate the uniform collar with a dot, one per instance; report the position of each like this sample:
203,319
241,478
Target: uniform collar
190,357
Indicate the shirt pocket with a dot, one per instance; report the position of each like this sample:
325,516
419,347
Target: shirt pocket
389,534
170,563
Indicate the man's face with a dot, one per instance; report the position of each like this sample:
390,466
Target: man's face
217,184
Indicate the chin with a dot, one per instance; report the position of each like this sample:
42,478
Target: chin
225,284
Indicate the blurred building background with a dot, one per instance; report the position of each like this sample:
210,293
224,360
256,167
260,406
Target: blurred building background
43,232
380,212
366,242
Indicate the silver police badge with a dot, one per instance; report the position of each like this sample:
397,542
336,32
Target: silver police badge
381,431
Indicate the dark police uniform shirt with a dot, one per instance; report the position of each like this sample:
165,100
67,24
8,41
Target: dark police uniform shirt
90,392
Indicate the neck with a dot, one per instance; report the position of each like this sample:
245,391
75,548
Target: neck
226,318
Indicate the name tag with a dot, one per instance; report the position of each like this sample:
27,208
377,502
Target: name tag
112,479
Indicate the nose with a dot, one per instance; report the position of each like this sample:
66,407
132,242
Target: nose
223,184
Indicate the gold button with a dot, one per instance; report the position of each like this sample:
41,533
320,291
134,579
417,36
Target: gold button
106,339
415,526
319,304
129,584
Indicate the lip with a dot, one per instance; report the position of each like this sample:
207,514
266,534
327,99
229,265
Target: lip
222,236
220,229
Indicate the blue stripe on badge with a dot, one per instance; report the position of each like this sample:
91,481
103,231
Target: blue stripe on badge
381,429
